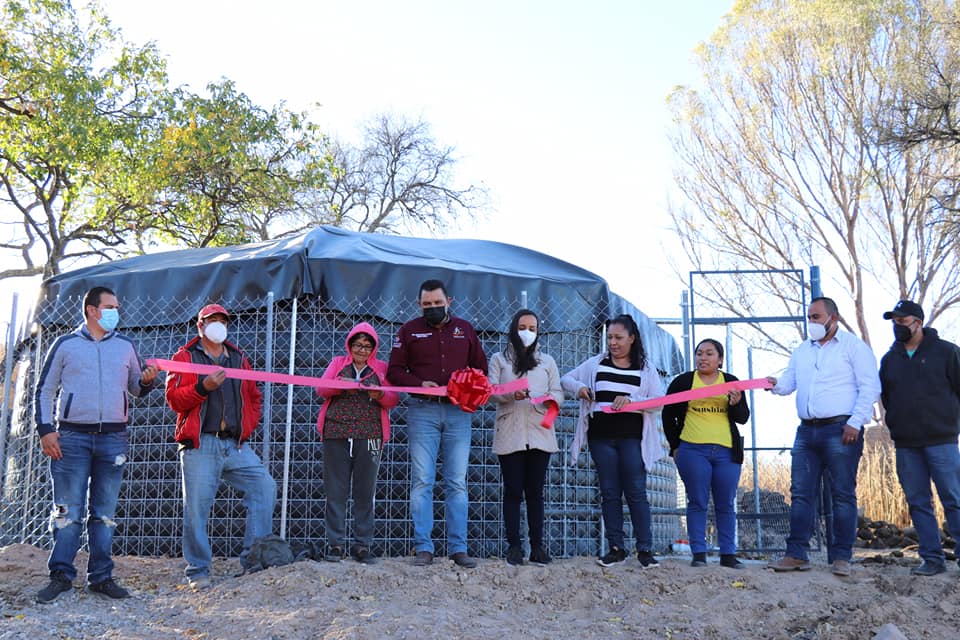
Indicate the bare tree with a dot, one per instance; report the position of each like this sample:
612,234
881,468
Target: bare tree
399,178
782,164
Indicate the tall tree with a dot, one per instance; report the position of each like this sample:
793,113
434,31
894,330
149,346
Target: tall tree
398,178
228,171
99,158
782,160
73,101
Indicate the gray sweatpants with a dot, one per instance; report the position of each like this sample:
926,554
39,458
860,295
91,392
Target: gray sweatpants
343,461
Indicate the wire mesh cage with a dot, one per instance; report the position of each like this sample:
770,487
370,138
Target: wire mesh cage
300,336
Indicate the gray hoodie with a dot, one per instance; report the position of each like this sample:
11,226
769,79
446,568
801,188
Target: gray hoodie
93,378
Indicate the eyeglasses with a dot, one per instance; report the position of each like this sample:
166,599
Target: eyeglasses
357,346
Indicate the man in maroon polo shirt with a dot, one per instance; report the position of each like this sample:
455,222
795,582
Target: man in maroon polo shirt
426,351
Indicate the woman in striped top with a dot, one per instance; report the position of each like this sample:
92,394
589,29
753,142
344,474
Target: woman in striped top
623,445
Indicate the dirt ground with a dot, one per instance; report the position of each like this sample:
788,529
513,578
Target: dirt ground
572,598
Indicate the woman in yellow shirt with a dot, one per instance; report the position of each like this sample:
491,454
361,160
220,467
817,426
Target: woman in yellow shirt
708,450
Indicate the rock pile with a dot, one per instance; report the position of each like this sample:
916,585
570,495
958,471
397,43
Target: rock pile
878,534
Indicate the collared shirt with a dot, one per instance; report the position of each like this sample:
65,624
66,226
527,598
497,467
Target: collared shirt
833,379
423,352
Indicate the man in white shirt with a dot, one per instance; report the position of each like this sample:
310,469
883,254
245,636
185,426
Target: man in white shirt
835,376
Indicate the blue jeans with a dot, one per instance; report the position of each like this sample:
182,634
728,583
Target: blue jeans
97,459
819,452
916,467
241,469
706,469
431,427
621,474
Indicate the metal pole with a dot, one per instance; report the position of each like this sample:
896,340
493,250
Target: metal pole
815,290
523,299
7,373
268,386
728,346
685,314
753,440
289,427
29,501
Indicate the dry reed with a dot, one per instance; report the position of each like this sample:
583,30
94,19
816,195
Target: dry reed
879,495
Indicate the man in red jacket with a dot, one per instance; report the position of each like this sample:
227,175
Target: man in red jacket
215,417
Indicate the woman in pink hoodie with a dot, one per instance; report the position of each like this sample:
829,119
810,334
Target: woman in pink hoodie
354,425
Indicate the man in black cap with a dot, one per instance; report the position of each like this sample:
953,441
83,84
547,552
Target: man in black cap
920,390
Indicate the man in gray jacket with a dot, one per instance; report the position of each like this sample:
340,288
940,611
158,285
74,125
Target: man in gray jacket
91,371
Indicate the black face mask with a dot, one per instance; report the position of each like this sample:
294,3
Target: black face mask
435,315
902,333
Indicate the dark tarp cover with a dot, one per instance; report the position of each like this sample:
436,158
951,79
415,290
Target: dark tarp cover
340,267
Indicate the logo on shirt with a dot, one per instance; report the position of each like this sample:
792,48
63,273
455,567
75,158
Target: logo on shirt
458,333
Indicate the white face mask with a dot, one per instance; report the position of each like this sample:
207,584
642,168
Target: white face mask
216,332
527,337
816,331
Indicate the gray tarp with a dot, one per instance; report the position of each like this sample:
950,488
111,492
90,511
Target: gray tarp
339,266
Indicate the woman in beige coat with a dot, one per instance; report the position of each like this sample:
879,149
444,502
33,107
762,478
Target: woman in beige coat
521,444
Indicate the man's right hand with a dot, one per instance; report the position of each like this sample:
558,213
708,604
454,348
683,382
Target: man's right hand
772,381
213,381
50,445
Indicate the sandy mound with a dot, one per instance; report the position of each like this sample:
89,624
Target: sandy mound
571,598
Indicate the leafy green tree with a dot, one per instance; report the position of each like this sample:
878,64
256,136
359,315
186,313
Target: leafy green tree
228,171
783,161
73,102
100,159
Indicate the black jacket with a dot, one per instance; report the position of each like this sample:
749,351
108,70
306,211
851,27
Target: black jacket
921,394
674,415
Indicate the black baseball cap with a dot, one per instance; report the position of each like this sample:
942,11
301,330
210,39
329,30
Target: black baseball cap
904,308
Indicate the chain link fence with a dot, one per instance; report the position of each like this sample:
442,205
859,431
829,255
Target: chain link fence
300,336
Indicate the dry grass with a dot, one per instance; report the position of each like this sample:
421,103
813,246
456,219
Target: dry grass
879,495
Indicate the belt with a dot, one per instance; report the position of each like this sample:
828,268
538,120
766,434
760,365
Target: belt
821,422
436,399
225,435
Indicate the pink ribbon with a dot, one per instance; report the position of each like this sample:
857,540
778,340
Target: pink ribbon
553,410
310,381
693,394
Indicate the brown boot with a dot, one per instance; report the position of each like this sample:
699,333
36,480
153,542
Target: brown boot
787,563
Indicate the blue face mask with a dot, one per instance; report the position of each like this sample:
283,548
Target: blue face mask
109,319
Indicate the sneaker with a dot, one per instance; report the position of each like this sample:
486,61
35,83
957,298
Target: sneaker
616,555
515,556
422,559
840,568
730,562
461,559
540,557
58,584
334,553
362,554
647,561
109,589
699,560
928,569
199,583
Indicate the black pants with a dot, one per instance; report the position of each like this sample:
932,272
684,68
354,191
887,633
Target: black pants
345,460
524,474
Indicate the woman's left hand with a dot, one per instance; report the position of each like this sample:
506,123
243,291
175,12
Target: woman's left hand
375,394
735,395
520,395
619,402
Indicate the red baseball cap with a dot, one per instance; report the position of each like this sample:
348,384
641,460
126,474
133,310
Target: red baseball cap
212,310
